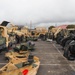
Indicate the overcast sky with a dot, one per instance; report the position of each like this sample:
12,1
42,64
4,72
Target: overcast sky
40,12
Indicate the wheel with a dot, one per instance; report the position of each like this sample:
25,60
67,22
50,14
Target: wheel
58,40
68,55
0,51
6,58
66,52
67,43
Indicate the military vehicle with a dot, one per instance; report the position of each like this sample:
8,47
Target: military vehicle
19,36
12,28
68,42
50,34
58,33
25,30
17,66
3,43
16,32
52,31
18,52
33,36
41,32
6,39
69,51
67,39
30,45
70,35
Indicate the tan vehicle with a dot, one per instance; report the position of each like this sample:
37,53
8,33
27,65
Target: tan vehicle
18,52
5,40
51,31
63,31
12,54
57,31
41,30
25,30
21,66
70,32
12,28
19,36
5,34
14,31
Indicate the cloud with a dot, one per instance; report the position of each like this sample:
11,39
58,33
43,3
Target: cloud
40,12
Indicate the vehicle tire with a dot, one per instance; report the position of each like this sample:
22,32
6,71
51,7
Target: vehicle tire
68,55
58,40
66,52
67,43
0,51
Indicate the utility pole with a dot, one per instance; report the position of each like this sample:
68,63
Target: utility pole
30,25
55,24
34,26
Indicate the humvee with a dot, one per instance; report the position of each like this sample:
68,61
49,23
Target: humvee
40,32
57,34
70,32
5,39
51,32
68,42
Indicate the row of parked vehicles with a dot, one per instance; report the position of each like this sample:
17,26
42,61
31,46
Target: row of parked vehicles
17,46
65,36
